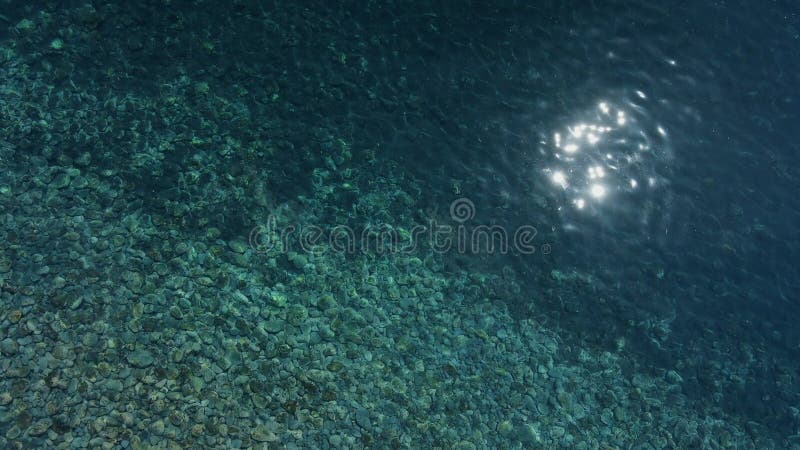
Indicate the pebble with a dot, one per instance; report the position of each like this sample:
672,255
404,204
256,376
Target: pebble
157,427
13,432
205,281
262,434
84,159
9,347
15,316
299,261
505,428
140,358
114,384
237,246
362,418
61,181
40,427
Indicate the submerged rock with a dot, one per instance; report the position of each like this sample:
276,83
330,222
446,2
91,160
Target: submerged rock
140,358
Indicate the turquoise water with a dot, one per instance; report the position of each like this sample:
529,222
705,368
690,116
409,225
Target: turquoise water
399,225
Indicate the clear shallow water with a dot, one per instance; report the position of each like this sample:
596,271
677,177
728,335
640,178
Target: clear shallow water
652,147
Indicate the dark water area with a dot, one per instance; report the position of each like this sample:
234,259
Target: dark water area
702,247
704,251
652,147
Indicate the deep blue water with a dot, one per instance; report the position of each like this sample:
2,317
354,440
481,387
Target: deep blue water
706,239
688,112
693,112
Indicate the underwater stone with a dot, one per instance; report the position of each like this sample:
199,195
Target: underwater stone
84,159
140,358
24,25
79,182
326,301
329,395
273,326
205,281
505,428
262,434
362,418
296,314
177,355
9,347
15,316
213,233
197,384
298,260
528,434
114,385
240,260
674,377
197,430
61,181
237,246
176,313
13,432
134,280
157,427
40,427
181,248
259,401
278,299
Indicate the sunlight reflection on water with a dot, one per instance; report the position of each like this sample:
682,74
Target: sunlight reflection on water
604,160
